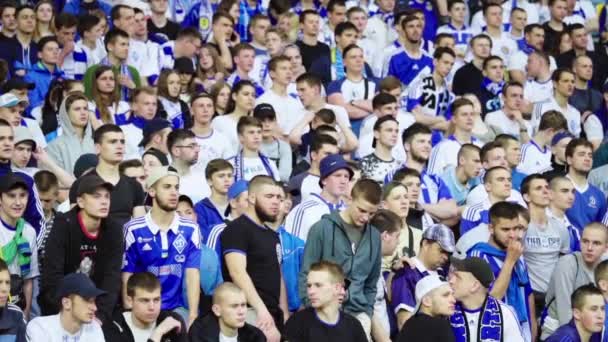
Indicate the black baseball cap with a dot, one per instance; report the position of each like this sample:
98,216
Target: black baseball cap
78,284
12,181
90,183
184,65
84,163
151,127
264,111
17,83
477,266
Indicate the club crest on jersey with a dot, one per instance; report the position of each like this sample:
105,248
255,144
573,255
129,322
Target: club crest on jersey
180,258
180,243
592,202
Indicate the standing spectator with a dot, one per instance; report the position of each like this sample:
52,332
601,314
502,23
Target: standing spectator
587,100
537,87
573,271
590,201
412,61
163,240
105,100
462,178
562,198
18,240
72,59
347,238
588,316
251,254
275,149
7,18
243,57
91,31
77,132
558,155
77,315
84,241
227,320
476,309
324,321
468,78
535,154
127,197
184,151
213,210
22,52
492,84
434,302
160,28
186,44
381,161
45,71
503,252
311,48
144,108
13,320
512,148
146,321
212,141
335,175
436,245
558,10
509,118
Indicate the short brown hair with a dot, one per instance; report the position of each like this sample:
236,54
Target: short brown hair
142,280
143,90
386,221
335,271
552,119
368,190
247,121
217,165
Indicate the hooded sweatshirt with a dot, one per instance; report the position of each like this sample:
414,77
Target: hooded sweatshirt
328,240
68,147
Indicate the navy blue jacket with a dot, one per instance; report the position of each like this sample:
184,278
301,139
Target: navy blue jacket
12,324
568,333
33,211
207,217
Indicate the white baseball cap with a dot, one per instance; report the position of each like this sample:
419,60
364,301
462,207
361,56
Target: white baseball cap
425,285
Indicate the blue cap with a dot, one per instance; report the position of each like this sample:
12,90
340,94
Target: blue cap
559,136
78,284
237,188
331,164
151,127
441,234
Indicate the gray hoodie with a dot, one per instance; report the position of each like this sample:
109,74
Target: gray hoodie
68,147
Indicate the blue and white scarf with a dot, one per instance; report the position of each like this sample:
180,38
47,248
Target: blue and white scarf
490,326
492,87
239,164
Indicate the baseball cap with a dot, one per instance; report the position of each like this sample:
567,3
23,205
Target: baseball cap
477,266
151,127
90,183
78,284
23,134
158,173
426,285
559,136
9,100
331,164
264,110
12,181
183,65
84,163
17,83
237,188
441,234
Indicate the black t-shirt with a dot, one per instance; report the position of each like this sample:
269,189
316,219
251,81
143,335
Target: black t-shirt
168,32
305,326
126,195
88,250
422,327
467,79
262,247
311,53
551,44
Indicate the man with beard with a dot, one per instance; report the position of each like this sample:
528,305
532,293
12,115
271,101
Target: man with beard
346,238
476,310
588,314
411,61
84,240
435,196
184,151
166,245
252,257
573,271
503,253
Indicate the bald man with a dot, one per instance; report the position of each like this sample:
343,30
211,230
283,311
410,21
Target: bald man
228,320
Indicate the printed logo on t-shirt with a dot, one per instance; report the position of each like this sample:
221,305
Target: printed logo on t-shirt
146,247
180,258
592,202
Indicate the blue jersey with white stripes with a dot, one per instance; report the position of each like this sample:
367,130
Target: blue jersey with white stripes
166,254
589,206
474,215
407,68
432,187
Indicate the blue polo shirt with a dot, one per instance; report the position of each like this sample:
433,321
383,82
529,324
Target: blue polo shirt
165,254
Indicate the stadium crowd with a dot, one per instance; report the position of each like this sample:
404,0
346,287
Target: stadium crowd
303,170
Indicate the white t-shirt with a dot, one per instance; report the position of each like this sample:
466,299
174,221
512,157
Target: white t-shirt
572,115
138,333
286,107
535,91
254,166
519,60
304,215
212,146
194,185
224,338
534,159
504,46
445,154
499,121
49,329
133,136
593,128
479,194
226,125
7,234
310,185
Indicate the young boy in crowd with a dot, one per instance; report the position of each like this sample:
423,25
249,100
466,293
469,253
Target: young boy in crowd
212,210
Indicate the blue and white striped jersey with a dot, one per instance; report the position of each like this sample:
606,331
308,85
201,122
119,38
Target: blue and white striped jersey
306,214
